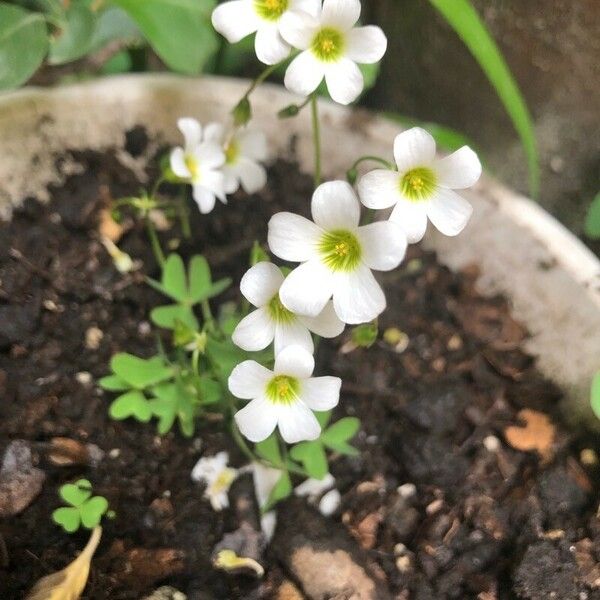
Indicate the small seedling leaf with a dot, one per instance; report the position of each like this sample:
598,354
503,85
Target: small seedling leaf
76,493
173,278
167,316
313,458
92,510
139,372
132,404
113,383
67,517
337,436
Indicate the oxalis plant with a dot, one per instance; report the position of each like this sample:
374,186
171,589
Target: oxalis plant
253,362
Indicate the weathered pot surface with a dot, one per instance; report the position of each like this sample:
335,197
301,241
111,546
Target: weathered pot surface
552,279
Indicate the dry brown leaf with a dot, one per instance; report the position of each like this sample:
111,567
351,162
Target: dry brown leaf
69,583
537,434
108,227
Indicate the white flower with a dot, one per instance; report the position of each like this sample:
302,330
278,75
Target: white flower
284,397
244,150
272,321
199,163
213,471
338,256
237,19
265,479
423,186
331,46
313,488
330,502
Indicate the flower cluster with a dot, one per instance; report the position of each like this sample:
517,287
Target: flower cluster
325,36
215,163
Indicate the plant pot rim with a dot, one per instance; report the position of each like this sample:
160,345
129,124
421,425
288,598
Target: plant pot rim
550,276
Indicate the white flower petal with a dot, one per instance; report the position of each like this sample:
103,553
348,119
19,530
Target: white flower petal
257,420
341,13
315,487
178,165
344,81
412,217
330,502
215,133
307,288
192,132
311,7
255,331
265,479
460,170
321,393
357,297
209,155
215,182
326,323
261,282
293,334
304,74
292,237
366,45
270,47
294,361
298,28
268,522
379,189
252,175
383,245
334,205
248,380
297,423
205,199
413,148
207,468
449,212
253,144
231,182
235,20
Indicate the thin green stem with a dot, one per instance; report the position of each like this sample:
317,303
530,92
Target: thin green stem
316,138
156,186
377,159
156,248
264,75
209,320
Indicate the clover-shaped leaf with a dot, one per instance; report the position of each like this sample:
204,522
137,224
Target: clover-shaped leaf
168,316
337,436
140,373
84,509
174,401
313,458
131,404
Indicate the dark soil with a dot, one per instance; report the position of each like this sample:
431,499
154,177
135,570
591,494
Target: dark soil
487,521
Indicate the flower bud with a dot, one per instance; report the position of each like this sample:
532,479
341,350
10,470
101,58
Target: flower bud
242,113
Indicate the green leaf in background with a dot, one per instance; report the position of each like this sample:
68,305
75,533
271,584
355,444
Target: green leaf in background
23,44
337,436
595,394
465,21
592,219
281,490
74,39
179,30
139,372
313,458
113,24
269,450
131,404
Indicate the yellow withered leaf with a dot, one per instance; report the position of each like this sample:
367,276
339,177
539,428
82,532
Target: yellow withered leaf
69,583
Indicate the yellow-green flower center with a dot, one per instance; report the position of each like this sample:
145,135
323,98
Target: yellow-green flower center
223,482
418,184
328,45
340,250
193,167
279,313
283,389
232,151
270,10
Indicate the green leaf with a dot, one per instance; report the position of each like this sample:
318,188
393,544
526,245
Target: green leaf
23,44
168,316
224,356
138,372
258,254
200,280
76,493
112,383
595,394
179,30
210,390
74,40
118,63
174,401
313,458
113,24
173,278
269,450
91,512
67,517
323,417
592,219
337,436
218,288
465,21
281,490
132,404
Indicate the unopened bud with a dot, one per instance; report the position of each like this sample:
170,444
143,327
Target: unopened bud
242,113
